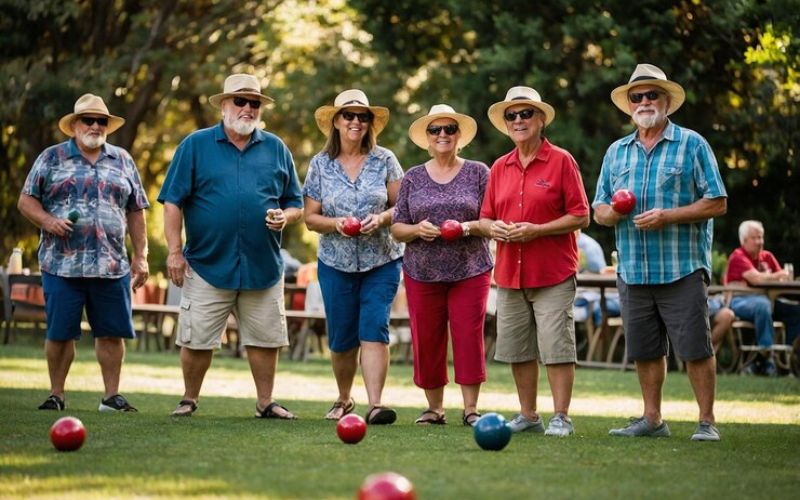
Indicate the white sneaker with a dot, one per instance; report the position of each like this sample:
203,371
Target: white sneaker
559,425
521,424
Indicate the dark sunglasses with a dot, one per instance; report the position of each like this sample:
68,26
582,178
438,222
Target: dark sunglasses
448,129
525,114
636,97
241,101
91,120
362,117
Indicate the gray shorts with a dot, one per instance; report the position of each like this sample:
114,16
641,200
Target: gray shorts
536,323
655,315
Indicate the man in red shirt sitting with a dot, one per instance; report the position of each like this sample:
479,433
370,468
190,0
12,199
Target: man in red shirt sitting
750,264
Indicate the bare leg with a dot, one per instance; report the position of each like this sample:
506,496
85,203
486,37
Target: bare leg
652,374
703,377
195,364
562,378
469,394
526,377
263,364
435,399
345,365
374,367
59,359
722,323
110,352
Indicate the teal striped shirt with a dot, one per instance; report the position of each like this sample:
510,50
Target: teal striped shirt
678,171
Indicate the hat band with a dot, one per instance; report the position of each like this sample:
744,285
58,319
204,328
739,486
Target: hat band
354,101
246,90
639,78
521,97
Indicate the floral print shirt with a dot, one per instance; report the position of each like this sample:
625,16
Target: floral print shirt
327,183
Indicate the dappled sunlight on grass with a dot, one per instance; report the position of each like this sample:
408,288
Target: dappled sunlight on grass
107,486
17,460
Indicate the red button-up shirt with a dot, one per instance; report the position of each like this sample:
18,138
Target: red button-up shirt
547,189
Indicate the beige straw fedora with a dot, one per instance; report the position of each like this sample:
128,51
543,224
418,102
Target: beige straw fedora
466,124
352,98
647,74
89,104
519,95
243,85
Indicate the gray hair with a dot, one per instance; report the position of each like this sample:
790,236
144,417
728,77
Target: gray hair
746,226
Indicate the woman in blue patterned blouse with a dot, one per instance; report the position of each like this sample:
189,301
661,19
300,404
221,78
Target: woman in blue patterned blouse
358,275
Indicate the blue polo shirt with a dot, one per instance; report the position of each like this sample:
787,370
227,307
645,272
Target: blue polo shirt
678,171
224,194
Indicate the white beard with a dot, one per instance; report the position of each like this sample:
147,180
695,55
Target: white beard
90,141
648,120
239,126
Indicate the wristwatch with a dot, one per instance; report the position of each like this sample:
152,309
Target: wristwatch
465,228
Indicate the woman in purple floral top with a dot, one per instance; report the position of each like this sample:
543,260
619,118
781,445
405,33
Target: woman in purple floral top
358,275
446,270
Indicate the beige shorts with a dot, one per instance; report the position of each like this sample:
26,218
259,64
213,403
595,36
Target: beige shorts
536,323
205,309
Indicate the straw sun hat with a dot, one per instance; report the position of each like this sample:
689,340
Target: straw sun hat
240,85
89,104
519,95
647,74
353,98
466,124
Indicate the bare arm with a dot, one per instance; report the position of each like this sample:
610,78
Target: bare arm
279,218
701,210
137,228
606,216
32,209
756,277
315,221
526,231
176,263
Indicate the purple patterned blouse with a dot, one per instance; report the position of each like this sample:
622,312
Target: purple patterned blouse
460,199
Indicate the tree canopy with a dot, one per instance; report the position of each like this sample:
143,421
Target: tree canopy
157,62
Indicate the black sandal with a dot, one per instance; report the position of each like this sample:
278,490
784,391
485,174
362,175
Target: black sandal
347,407
184,413
471,418
269,412
380,415
424,419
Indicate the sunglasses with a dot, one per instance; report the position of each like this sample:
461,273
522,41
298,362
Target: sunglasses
91,120
241,101
525,114
362,117
448,129
636,97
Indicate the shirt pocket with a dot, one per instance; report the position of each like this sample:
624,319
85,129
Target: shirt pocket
670,175
621,179
185,320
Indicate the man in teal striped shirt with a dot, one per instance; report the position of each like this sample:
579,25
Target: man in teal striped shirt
664,245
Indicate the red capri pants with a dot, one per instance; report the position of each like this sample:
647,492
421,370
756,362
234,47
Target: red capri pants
430,307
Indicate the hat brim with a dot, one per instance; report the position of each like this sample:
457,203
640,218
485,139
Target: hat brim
216,99
65,123
324,117
677,96
466,125
497,110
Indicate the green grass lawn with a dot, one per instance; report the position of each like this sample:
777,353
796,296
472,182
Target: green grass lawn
223,451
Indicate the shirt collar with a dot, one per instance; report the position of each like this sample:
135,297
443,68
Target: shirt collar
73,150
258,135
670,133
542,155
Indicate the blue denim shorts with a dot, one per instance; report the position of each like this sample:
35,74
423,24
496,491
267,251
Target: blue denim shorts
358,305
107,302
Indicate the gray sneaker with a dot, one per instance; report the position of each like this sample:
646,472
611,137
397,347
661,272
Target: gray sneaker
640,427
521,424
559,425
705,432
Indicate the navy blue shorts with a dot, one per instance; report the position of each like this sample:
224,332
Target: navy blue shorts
107,302
358,305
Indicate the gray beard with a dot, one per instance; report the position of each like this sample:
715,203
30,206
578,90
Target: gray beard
92,142
648,121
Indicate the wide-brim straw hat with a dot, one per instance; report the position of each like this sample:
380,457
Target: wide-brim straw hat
89,104
240,85
647,74
466,125
352,98
519,95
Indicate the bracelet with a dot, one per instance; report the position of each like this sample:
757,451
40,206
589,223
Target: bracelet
465,228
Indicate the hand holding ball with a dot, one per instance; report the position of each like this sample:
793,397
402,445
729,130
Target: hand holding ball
351,226
623,202
451,230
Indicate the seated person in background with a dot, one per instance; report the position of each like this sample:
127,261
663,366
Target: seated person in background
750,264
592,260
721,318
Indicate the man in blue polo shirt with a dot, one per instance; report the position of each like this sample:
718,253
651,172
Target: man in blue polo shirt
664,245
234,187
